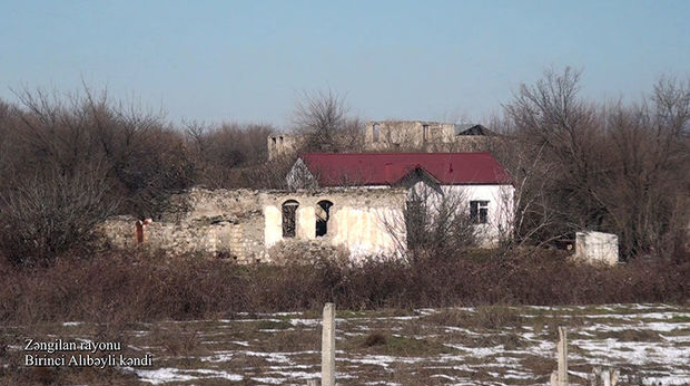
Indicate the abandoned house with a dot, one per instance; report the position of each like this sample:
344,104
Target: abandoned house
348,203
397,136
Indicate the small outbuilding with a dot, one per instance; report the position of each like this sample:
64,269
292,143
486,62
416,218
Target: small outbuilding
596,247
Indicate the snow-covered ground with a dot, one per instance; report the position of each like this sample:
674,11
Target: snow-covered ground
648,343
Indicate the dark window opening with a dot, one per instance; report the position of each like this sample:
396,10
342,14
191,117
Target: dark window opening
479,212
274,140
289,218
323,214
376,132
425,133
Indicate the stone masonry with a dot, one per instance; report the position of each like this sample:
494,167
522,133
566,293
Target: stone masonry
247,226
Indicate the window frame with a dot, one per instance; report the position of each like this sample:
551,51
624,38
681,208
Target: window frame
479,211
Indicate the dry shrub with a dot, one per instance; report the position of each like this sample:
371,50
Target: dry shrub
538,365
375,339
491,317
497,317
632,335
119,288
49,214
177,341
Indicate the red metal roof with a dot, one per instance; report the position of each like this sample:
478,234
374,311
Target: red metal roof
341,169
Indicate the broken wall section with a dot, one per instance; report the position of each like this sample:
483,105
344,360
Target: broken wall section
220,223
284,145
249,226
429,137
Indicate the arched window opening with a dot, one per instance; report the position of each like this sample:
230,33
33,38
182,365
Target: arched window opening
289,218
376,132
323,213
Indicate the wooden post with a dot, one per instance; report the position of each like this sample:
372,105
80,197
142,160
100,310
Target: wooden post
328,346
560,377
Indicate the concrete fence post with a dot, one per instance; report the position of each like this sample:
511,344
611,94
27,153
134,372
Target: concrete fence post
560,377
604,377
328,346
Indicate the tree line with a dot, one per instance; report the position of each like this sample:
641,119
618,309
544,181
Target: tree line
69,162
612,167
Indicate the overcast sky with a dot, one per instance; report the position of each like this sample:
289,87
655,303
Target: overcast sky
248,61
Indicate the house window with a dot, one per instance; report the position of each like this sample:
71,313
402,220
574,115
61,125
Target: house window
376,132
323,214
479,212
289,216
425,133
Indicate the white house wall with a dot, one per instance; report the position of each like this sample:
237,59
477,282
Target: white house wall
500,205
500,216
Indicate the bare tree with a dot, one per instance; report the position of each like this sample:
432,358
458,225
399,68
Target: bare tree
549,117
646,190
223,153
323,119
52,213
143,159
434,224
610,168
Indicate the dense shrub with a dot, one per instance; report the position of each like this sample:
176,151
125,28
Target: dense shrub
137,286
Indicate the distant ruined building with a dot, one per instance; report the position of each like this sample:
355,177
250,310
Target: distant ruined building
402,136
284,144
430,137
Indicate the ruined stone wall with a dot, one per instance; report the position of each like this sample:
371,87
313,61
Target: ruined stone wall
118,232
283,144
221,223
405,135
247,226
394,136
430,137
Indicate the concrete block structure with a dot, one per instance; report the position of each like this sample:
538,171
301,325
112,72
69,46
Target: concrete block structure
596,247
